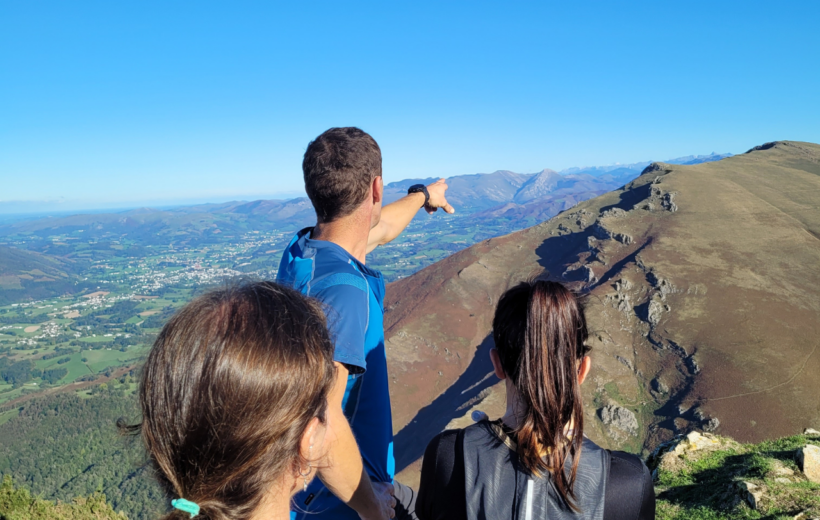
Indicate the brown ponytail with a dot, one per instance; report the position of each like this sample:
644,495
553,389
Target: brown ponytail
230,386
540,333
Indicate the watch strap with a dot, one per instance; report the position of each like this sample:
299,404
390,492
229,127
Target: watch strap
420,188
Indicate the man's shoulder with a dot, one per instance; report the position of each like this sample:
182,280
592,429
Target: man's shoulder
335,272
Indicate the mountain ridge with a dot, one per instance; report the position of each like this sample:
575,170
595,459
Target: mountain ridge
471,193
685,304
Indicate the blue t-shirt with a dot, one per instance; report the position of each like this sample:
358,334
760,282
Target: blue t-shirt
353,296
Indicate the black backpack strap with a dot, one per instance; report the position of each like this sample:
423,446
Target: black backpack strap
630,494
441,492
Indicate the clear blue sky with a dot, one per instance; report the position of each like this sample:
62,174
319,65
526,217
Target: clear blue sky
131,102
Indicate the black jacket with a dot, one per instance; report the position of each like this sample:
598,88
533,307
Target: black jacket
475,474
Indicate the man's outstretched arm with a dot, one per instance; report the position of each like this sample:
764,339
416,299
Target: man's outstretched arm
343,473
396,216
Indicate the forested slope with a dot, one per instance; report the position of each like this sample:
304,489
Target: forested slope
64,446
20,504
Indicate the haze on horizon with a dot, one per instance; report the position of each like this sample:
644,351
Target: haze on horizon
109,105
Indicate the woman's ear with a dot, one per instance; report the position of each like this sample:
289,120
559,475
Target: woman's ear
497,368
583,369
313,439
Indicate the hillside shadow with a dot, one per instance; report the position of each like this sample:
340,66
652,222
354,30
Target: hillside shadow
557,251
630,197
409,443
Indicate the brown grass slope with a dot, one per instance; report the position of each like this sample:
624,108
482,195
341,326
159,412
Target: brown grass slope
704,294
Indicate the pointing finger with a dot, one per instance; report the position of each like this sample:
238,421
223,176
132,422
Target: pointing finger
449,209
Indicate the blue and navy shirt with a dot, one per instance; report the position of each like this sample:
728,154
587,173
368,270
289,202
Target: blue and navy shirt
353,296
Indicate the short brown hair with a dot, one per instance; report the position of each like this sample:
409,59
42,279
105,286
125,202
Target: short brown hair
339,167
228,389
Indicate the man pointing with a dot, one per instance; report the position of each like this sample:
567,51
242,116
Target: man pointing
343,178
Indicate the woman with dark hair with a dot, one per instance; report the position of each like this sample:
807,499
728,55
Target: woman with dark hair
233,399
534,463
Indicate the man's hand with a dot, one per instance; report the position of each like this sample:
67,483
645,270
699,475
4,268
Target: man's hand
437,198
385,498
396,216
372,500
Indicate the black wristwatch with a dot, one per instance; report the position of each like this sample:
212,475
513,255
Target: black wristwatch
420,188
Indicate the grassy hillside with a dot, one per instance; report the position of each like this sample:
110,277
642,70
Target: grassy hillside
703,298
702,477
35,276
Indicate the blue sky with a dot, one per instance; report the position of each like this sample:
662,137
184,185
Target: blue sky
124,103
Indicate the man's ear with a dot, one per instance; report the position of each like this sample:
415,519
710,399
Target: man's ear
583,369
378,189
497,368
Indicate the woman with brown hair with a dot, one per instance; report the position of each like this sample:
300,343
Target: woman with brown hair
534,462
233,399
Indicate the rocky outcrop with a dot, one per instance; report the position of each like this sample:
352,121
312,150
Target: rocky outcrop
600,232
728,478
808,459
620,418
658,199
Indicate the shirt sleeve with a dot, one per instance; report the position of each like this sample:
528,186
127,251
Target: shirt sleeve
346,308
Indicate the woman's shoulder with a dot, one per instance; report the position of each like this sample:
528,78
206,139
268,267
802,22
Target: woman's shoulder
630,493
444,441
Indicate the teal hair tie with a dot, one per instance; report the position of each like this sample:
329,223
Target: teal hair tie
186,506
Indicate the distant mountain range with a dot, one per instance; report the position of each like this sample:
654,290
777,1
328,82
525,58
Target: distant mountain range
512,195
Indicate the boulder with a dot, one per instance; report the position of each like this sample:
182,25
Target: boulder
711,425
808,460
659,386
620,418
752,493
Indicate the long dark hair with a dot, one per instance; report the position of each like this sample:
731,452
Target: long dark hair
228,390
540,332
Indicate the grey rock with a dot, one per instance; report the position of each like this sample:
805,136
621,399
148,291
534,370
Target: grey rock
623,285
663,285
659,386
753,494
692,363
654,312
808,460
626,362
711,425
667,202
652,168
620,418
783,471
614,212
602,233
